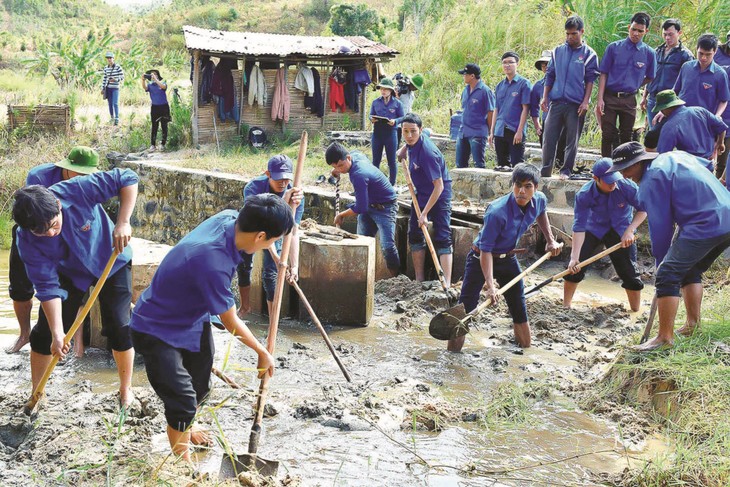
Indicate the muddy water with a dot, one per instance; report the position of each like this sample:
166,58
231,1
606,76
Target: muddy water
330,432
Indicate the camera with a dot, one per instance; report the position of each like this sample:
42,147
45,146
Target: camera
148,76
403,83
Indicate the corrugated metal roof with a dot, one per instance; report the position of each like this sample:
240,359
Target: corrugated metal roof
260,44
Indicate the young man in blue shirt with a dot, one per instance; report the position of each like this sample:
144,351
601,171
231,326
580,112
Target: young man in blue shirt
276,180
690,129
509,121
433,190
675,189
171,323
572,70
604,216
477,104
386,113
80,161
670,57
65,239
702,83
375,206
626,66
491,257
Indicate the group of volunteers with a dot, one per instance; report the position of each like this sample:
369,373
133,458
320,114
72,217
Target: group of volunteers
63,237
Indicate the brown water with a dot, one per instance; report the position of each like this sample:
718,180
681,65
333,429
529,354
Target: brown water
379,360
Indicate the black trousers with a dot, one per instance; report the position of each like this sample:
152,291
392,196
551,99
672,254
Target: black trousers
509,153
180,377
20,288
160,115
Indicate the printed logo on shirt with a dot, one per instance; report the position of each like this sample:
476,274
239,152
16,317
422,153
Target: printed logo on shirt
640,65
706,86
416,167
580,60
86,227
621,205
474,101
514,93
391,110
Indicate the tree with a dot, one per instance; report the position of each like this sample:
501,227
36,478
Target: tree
418,11
356,20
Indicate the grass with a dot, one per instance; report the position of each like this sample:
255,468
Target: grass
693,412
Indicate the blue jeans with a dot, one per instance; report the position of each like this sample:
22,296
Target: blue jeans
388,139
686,261
112,99
471,146
383,221
269,274
440,217
650,113
503,271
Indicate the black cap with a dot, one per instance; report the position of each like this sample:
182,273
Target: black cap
471,68
628,154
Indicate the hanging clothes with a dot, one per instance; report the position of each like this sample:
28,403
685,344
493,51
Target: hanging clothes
337,95
222,83
257,87
206,80
280,104
305,80
314,103
351,92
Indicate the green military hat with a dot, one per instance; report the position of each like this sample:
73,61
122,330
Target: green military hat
667,99
81,159
387,83
417,81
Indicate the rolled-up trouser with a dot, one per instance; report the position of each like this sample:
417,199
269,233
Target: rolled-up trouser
382,222
623,260
503,270
115,300
686,261
180,377
20,288
440,217
475,147
268,275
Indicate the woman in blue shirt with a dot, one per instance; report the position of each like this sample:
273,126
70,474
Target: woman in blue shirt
160,113
386,113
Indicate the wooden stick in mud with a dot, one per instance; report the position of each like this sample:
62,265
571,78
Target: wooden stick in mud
650,320
424,228
253,441
80,317
225,378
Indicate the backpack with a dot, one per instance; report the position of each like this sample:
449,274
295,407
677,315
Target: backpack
256,137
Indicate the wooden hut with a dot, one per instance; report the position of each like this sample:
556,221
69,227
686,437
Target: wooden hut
270,52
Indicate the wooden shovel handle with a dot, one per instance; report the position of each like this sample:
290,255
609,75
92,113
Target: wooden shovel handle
514,281
80,317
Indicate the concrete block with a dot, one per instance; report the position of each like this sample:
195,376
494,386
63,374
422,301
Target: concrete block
463,238
338,278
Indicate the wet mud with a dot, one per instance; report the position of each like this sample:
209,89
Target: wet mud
413,415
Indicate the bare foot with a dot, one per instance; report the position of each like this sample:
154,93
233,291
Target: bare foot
243,311
655,344
126,398
200,436
563,177
687,330
19,343
78,348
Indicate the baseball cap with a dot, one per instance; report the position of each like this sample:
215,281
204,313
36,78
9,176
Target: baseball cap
600,170
281,167
471,68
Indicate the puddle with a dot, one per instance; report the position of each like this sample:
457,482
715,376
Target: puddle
329,432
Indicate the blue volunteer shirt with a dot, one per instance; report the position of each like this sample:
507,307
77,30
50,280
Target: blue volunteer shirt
82,249
691,129
475,107
427,164
505,222
510,96
598,212
46,175
676,188
627,64
667,67
158,96
535,97
370,184
192,283
393,110
260,185
723,60
702,88
569,70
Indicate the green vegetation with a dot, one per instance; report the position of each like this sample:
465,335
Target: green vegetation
689,396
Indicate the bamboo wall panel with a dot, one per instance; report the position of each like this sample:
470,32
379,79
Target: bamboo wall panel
43,117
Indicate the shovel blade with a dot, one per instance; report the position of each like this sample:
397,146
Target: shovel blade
449,324
231,466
